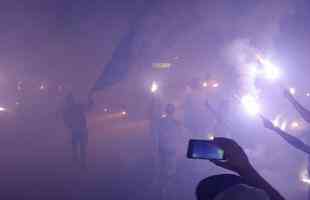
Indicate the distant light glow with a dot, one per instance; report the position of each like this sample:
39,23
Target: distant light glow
283,125
306,180
295,125
123,113
42,87
308,94
154,87
163,116
304,177
161,65
2,109
269,70
215,85
105,110
292,91
210,136
205,84
250,104
276,122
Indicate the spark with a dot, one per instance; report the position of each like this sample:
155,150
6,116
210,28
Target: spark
250,104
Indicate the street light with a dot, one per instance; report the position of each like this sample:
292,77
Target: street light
154,87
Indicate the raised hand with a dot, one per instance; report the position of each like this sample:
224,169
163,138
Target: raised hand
288,95
267,123
235,158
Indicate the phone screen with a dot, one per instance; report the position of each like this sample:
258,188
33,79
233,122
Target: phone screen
204,149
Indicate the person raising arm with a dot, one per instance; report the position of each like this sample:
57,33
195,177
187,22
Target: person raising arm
237,161
295,142
300,109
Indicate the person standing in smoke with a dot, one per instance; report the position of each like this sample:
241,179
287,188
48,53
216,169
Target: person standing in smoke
198,118
168,134
75,120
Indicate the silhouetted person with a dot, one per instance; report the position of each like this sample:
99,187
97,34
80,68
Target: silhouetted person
294,141
248,185
198,119
305,113
168,135
75,120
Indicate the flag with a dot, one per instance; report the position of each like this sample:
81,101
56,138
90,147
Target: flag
118,67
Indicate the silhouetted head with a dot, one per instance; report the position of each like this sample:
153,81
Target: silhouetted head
210,187
170,109
228,187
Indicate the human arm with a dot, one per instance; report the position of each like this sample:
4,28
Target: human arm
236,160
295,142
300,109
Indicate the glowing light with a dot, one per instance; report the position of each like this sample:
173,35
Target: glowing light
283,126
215,85
276,122
161,65
304,177
250,104
205,84
163,116
124,113
308,94
270,71
42,87
306,180
292,90
105,110
2,109
154,87
210,136
294,125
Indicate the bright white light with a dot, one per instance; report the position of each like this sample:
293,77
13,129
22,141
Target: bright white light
292,90
210,136
306,180
276,122
123,113
270,71
308,94
304,177
283,126
154,87
294,125
2,109
215,85
205,84
163,116
250,104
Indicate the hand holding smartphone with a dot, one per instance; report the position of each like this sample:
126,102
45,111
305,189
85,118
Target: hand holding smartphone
204,149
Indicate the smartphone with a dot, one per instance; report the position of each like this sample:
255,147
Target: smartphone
204,149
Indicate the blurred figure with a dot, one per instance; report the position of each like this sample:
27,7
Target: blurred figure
300,109
75,120
248,185
197,116
295,142
166,131
305,114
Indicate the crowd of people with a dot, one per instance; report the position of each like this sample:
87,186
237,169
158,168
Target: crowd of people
198,120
